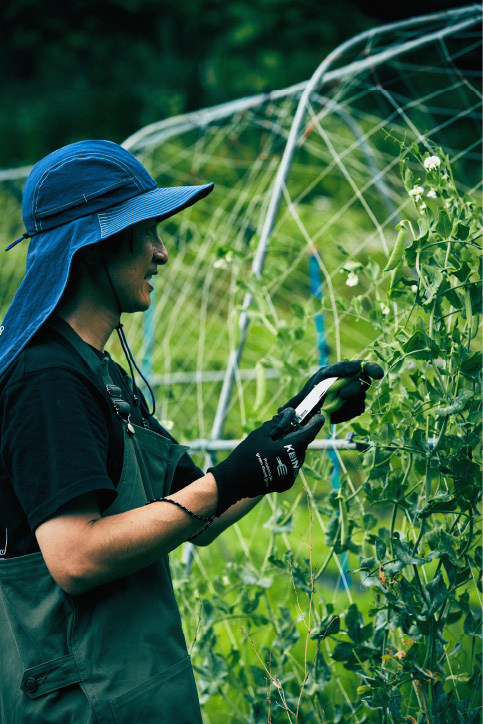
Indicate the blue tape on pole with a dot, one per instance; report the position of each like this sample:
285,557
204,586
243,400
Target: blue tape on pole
315,278
316,291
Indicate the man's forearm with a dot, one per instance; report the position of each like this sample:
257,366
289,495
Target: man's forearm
83,550
232,515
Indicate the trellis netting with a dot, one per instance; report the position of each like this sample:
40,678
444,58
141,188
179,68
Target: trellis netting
262,273
306,184
306,172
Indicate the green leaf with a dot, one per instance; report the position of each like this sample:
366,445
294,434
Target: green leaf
435,278
462,231
344,651
448,545
329,626
472,624
324,672
417,341
408,177
462,272
444,225
412,250
300,576
298,310
353,621
251,577
279,523
437,592
471,362
288,634
441,501
332,530
365,564
369,521
379,545
404,557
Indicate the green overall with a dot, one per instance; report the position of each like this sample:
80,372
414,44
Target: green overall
116,653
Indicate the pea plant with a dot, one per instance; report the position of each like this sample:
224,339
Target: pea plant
424,461
413,523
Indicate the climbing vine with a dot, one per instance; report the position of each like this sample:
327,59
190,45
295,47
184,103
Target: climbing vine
413,523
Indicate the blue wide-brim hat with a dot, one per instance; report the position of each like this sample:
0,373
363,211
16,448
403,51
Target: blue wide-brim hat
76,196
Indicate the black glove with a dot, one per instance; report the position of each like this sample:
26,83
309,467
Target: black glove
267,461
354,393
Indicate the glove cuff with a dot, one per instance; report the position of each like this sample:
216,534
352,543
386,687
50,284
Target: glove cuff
226,491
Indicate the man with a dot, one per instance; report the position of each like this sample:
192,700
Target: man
95,493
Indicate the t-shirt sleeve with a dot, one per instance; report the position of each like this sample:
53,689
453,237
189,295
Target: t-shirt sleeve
186,471
54,442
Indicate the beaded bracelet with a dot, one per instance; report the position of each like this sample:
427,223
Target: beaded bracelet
208,521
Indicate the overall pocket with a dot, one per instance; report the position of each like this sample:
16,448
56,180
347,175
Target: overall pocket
51,692
167,698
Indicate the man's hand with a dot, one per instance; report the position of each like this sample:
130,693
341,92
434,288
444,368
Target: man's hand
267,461
354,394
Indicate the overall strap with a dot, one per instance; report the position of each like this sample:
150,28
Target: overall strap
100,367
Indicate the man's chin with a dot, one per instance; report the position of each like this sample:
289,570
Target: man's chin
138,306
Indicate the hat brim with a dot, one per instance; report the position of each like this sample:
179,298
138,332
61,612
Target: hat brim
50,256
160,203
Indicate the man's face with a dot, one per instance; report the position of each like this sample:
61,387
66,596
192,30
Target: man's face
133,262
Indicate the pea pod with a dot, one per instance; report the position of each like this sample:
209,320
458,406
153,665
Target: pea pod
344,523
398,249
342,382
332,401
397,274
332,404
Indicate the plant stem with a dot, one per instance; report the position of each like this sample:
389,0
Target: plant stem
420,585
468,542
427,711
469,316
443,428
325,564
393,522
421,533
428,466
450,241
429,651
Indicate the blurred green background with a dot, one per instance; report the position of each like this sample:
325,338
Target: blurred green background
105,68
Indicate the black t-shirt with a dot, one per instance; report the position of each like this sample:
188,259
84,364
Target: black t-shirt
60,438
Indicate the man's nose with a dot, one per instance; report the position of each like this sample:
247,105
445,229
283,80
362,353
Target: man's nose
160,255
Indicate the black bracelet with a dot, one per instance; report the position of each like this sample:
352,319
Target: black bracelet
208,521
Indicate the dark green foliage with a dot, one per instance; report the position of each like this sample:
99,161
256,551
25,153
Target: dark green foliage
103,69
416,651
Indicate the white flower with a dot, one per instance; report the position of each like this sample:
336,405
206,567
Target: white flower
431,163
421,208
384,309
432,194
447,204
352,280
414,288
223,262
416,193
